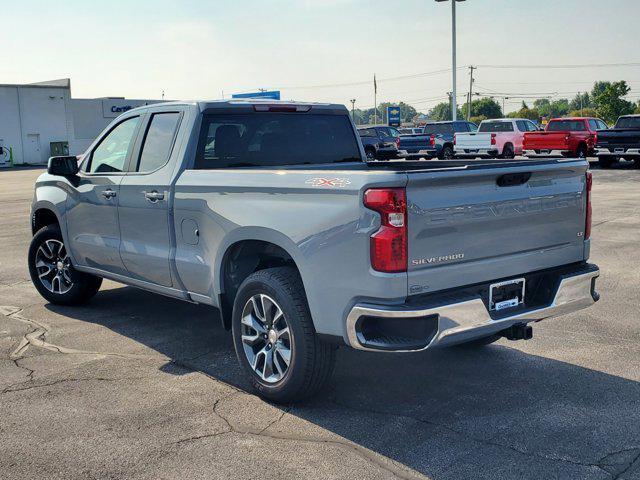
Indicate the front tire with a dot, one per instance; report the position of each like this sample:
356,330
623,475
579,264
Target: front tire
274,338
52,273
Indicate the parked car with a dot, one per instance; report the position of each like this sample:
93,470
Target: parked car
620,142
435,140
495,138
564,136
410,131
380,142
268,211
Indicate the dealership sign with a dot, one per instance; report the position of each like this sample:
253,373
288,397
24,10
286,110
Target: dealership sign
393,116
112,107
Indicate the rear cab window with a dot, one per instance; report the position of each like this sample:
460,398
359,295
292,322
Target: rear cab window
628,122
275,139
438,128
566,126
486,127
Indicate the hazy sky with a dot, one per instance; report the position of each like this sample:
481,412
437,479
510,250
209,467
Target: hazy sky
197,49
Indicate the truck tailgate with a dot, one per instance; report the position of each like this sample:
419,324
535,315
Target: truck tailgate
545,140
465,228
473,141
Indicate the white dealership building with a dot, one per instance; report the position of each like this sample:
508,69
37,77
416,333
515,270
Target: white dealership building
38,120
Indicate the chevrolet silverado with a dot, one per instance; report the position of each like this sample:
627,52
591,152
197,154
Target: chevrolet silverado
622,141
269,211
564,136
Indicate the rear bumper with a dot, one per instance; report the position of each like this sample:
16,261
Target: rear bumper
424,152
545,151
611,152
476,151
461,320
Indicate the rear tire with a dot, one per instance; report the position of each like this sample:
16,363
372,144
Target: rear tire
311,361
370,153
481,342
582,151
508,152
446,153
52,273
606,162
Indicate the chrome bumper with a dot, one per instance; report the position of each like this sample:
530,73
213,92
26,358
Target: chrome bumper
467,320
607,152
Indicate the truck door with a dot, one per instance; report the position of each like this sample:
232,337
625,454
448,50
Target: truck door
92,207
144,200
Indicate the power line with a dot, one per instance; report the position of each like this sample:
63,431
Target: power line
585,65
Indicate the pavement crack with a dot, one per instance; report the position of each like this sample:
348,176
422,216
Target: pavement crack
37,338
12,388
393,468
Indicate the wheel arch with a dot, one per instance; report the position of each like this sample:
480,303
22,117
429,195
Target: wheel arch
244,253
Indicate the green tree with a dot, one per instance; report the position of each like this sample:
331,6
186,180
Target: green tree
484,107
580,101
607,98
547,108
526,112
637,110
442,111
585,112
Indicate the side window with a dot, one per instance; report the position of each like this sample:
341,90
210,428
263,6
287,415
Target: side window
461,127
532,126
158,141
472,127
522,126
603,126
111,153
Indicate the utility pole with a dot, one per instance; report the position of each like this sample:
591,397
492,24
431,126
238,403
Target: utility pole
454,106
581,112
375,100
353,109
471,68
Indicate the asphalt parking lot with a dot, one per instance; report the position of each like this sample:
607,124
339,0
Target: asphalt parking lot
134,385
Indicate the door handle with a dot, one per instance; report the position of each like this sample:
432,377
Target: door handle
154,196
108,193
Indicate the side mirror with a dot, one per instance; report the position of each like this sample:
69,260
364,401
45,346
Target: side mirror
64,166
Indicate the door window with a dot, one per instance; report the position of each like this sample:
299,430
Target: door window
111,153
158,141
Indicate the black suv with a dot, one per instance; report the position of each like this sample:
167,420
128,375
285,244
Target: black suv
380,142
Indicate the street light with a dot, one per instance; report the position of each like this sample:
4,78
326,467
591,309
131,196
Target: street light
454,105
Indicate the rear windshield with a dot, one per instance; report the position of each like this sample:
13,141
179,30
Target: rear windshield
566,126
438,128
496,127
628,122
275,139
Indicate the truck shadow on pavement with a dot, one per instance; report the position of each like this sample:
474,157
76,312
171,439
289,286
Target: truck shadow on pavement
495,412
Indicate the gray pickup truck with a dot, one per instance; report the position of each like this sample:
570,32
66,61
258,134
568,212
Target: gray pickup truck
269,212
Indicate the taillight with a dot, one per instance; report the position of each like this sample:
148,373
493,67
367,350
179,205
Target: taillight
389,244
595,138
454,138
398,143
432,140
587,223
493,139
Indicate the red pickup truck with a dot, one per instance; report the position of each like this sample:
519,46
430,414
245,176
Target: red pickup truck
569,137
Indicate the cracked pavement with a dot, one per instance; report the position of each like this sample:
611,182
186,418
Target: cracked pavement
138,386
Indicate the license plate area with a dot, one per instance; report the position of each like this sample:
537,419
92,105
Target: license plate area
546,152
618,150
507,294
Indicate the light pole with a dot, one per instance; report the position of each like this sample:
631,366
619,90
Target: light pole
353,109
454,105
